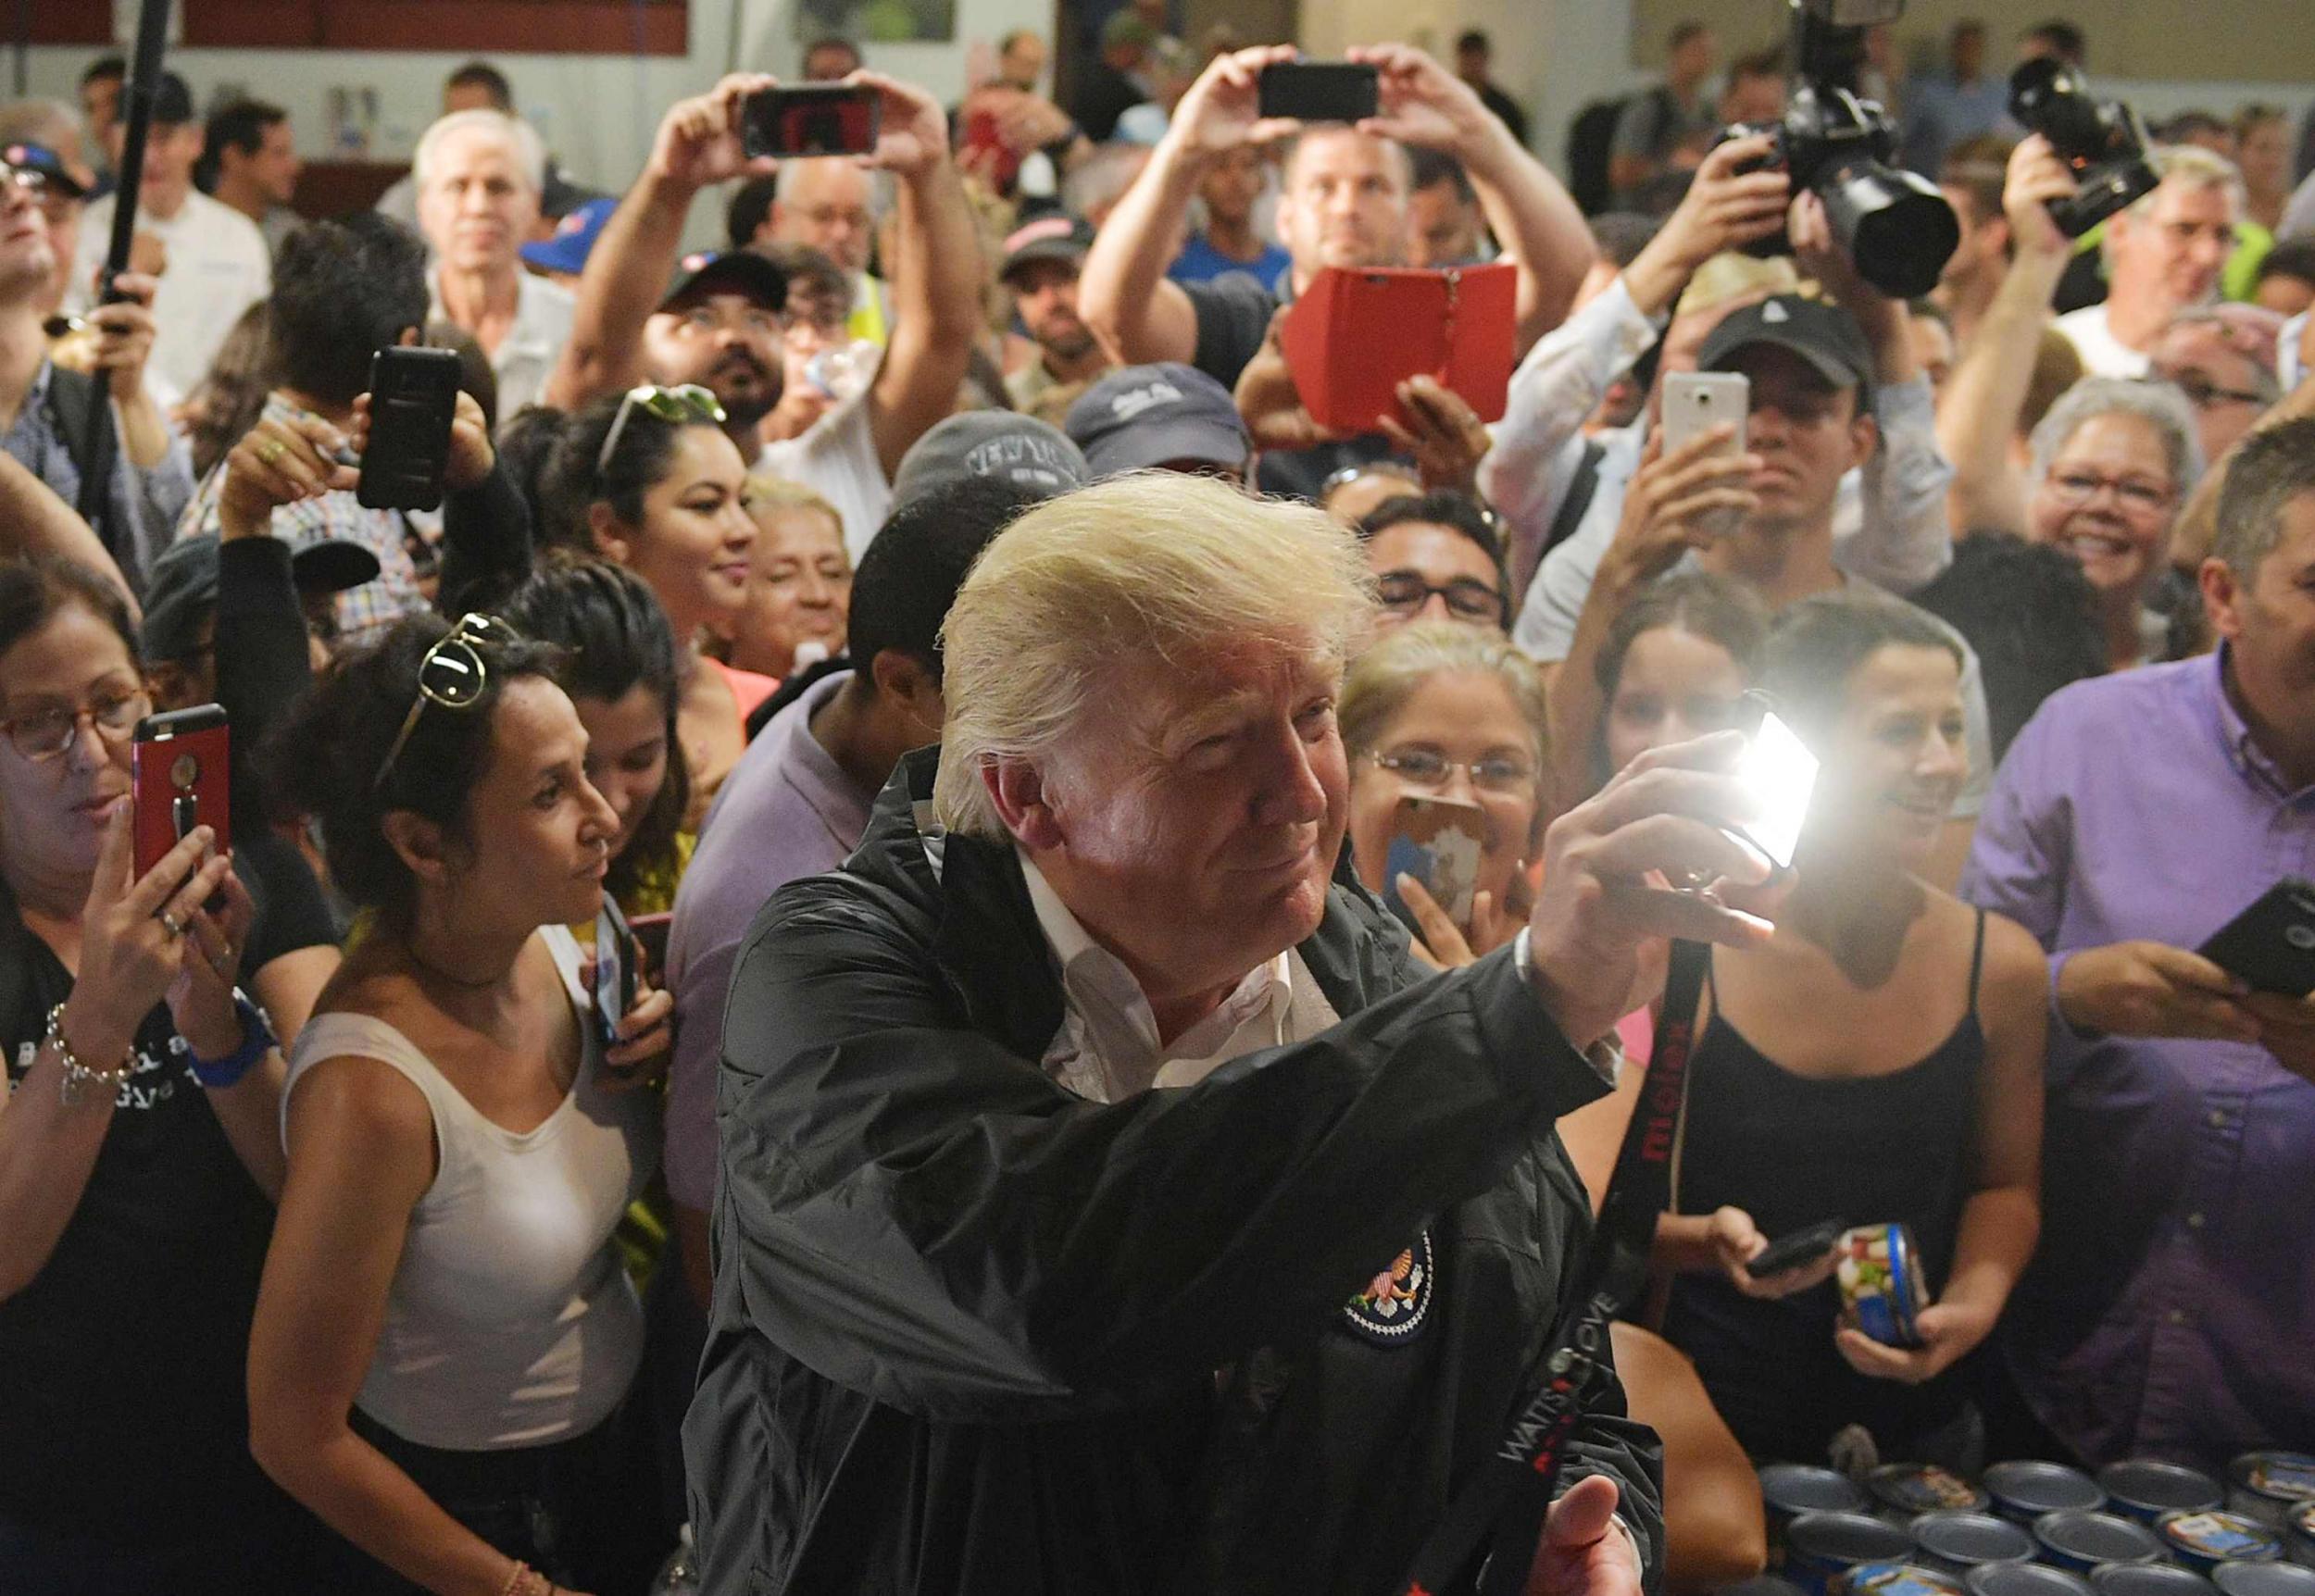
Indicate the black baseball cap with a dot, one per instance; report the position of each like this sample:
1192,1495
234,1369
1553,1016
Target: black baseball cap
1160,415
172,102
1825,335
1062,237
729,271
180,589
49,166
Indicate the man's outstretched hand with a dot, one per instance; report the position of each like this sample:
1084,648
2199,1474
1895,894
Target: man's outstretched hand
1585,1551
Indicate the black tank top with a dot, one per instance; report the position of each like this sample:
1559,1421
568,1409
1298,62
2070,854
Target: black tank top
1793,1152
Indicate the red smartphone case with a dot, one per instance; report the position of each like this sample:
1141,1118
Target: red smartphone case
180,779
1355,335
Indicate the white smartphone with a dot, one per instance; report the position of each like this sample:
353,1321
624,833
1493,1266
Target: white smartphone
1695,402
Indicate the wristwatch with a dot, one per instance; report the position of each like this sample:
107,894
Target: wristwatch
256,1040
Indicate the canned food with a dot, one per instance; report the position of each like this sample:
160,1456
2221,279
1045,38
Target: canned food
1909,1489
2148,1579
1788,1489
2263,1579
2299,1536
1960,1542
1878,1272
2025,1579
2025,1491
2268,1485
1896,1579
2203,1541
1762,1585
2080,1541
2146,1489
1819,1547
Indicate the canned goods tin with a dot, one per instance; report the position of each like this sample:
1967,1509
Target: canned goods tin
2025,1491
1762,1585
1909,1489
2268,1485
1960,1542
2299,1536
2146,1489
1878,1272
2203,1541
1896,1579
2025,1579
1820,1546
2148,1579
2082,1540
1788,1489
2263,1579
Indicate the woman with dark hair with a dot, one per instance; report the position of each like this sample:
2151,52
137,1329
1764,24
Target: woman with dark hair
1878,1061
1672,667
138,1148
648,480
460,1148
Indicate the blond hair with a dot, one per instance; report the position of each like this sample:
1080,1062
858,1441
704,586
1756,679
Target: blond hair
1151,567
779,493
2194,167
1382,679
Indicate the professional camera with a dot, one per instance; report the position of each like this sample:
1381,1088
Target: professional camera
2103,141
1895,226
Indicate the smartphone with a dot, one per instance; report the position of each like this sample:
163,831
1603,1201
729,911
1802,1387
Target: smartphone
1800,1247
1318,91
811,120
2272,944
180,774
1694,402
651,937
1781,772
614,969
413,399
1438,841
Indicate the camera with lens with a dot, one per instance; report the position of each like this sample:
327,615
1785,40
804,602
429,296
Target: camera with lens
1897,226
2103,141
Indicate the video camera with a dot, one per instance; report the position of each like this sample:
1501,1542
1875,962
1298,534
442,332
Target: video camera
1895,224
2103,141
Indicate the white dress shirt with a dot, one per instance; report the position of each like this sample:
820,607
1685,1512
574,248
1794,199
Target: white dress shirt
534,340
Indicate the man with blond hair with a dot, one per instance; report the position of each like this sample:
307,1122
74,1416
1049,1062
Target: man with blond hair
480,174
2163,254
1107,1202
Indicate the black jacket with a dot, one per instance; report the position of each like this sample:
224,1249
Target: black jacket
973,1333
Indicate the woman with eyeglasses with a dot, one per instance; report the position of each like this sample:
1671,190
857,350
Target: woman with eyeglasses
801,591
139,1152
461,1142
1437,556
648,480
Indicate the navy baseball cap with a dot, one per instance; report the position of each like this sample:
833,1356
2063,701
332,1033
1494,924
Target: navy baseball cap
739,271
1162,415
573,241
48,166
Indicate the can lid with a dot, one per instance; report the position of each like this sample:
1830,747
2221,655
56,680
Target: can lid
2303,1518
2263,1579
2148,1579
2025,1579
2030,1486
2283,1476
2219,1536
1846,1538
1799,1488
1762,1585
1895,1579
1925,1488
2098,1537
2162,1486
1972,1538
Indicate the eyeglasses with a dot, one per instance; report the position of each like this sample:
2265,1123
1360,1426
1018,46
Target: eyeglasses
1429,769
1467,598
2074,488
2202,393
453,674
45,733
673,406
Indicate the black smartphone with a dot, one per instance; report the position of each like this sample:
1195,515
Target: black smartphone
1318,91
2272,944
413,399
811,120
651,933
614,969
1800,1247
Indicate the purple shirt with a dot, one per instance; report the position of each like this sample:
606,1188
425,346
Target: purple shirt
2167,1311
786,811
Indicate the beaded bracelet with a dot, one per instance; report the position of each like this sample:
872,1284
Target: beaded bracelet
77,1076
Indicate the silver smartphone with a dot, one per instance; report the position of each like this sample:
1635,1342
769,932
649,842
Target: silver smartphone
1695,402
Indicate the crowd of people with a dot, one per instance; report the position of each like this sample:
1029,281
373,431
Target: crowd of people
1058,1131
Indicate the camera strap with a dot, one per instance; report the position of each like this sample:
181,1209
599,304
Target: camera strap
1500,1509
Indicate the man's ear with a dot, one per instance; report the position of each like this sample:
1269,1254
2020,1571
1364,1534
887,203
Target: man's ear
1017,787
608,532
2221,599
419,843
1864,437
903,679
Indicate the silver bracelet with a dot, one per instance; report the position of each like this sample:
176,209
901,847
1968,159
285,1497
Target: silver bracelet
78,1076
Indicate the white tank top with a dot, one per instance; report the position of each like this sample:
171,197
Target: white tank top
510,1321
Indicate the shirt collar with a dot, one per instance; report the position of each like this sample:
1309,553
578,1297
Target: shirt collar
2250,761
526,334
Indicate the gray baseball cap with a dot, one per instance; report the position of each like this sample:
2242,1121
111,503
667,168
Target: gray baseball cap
1163,415
1004,444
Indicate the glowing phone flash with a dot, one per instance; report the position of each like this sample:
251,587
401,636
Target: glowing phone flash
1782,773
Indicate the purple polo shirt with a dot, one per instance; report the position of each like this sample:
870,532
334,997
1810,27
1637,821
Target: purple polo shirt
786,811
2168,1310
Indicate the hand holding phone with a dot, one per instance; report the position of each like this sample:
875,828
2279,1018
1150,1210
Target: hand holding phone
811,120
1438,841
180,775
1791,1251
2270,945
413,399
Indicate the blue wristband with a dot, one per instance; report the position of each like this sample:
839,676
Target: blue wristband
256,1040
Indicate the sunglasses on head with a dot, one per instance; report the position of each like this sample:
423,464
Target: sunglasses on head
453,674
673,406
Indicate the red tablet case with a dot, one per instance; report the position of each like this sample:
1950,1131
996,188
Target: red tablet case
1354,336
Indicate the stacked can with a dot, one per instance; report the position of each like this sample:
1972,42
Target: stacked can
2299,1536
2263,1579
2025,1491
2148,1579
1882,1291
2270,1486
1906,1491
1958,1542
2146,1489
1822,1547
2082,1541
2204,1541
1896,1579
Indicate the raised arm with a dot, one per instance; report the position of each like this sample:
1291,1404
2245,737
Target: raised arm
629,269
34,522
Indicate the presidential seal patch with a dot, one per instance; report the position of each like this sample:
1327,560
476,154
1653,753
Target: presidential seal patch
1397,1301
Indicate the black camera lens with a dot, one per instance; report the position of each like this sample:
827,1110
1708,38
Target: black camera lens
2102,140
1899,228
2049,97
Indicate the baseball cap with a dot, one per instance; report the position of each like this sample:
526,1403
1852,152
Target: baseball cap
172,102
731,272
180,589
1825,335
574,238
1012,448
1148,415
1063,238
53,174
